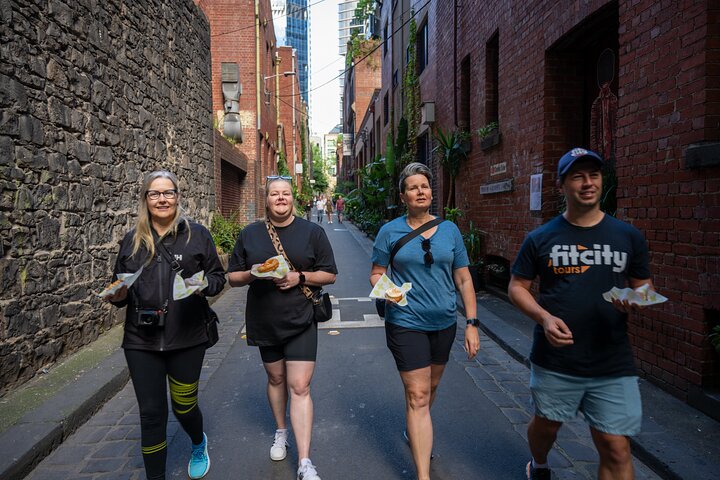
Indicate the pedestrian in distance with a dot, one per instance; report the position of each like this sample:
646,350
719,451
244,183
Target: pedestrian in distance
320,208
279,317
329,209
165,339
581,358
420,334
340,208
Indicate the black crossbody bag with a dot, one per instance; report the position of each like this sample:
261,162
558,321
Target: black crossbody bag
211,320
380,302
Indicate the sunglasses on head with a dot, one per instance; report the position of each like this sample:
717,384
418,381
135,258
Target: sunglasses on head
278,177
428,254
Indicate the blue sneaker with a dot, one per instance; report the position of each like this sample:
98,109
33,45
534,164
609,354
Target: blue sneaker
199,460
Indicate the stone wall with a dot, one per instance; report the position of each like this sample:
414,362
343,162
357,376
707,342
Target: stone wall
92,96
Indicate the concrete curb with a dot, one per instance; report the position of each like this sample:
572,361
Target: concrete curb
36,434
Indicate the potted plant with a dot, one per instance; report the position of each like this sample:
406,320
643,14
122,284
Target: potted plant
489,135
451,154
473,239
714,338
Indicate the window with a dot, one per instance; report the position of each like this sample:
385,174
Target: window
385,39
492,67
465,92
386,109
395,78
422,48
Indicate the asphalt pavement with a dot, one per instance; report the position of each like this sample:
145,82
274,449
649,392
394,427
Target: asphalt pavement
479,417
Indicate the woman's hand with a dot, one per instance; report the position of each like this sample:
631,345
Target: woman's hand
472,341
118,296
290,280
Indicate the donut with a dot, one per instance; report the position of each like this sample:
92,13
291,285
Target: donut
270,265
394,294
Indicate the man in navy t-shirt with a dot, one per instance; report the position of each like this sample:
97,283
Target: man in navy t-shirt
581,356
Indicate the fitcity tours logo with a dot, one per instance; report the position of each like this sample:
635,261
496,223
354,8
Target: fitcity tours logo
569,259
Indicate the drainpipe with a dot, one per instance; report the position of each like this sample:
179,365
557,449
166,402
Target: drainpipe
455,99
259,81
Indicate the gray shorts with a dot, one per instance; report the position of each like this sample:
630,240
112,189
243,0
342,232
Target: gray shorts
609,404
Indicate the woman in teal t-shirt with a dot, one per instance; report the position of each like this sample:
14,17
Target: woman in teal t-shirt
420,334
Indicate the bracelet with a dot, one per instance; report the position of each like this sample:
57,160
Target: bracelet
473,321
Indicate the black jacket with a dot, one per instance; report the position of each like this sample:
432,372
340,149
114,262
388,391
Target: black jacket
185,318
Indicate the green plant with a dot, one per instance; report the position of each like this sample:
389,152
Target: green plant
474,239
453,214
411,92
225,231
487,130
450,153
714,338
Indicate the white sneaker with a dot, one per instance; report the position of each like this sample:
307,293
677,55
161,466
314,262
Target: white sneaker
307,471
278,451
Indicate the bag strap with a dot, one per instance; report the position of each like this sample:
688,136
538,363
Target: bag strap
281,251
409,236
160,247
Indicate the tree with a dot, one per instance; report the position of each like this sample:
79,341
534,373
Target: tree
319,171
450,153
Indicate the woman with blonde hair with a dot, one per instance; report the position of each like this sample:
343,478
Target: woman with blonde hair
165,339
280,317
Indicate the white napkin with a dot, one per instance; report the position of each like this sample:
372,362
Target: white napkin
279,272
126,279
384,284
184,287
640,296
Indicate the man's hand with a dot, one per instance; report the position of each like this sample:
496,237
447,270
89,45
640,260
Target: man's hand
626,306
557,332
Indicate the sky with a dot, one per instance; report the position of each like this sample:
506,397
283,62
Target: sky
325,65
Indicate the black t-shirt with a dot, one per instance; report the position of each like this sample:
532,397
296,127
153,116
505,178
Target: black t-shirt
272,315
576,266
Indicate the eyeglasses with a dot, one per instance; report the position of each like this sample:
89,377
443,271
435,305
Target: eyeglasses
278,177
168,194
428,254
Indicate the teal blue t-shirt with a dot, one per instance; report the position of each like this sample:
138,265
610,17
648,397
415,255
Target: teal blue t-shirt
432,299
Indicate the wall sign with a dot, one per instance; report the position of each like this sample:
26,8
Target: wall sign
498,168
536,192
505,186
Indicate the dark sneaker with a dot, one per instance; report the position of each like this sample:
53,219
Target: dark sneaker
199,460
407,440
537,473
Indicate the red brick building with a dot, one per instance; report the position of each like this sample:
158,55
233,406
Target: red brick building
637,81
243,57
291,111
362,80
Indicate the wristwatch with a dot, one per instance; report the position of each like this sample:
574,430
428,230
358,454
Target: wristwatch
473,321
302,278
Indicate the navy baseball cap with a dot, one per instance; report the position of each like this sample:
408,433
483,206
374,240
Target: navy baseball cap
567,160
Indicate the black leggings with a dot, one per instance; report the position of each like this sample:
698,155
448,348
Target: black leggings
150,372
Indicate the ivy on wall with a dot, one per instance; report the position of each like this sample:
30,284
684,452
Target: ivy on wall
411,92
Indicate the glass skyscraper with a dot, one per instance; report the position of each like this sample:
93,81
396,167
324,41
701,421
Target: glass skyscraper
296,35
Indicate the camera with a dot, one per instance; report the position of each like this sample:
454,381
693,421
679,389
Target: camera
150,318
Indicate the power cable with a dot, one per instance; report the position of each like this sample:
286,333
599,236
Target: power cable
253,25
364,57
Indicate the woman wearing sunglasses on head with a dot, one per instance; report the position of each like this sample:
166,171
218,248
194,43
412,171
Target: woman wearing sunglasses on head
430,254
279,316
165,339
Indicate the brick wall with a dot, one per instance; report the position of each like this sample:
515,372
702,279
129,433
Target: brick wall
233,39
666,83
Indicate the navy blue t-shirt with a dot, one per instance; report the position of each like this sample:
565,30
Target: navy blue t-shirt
576,265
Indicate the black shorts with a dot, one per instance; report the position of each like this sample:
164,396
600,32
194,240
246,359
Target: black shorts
301,348
414,349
